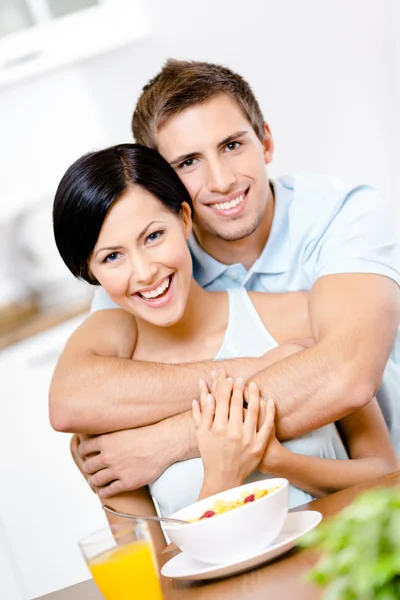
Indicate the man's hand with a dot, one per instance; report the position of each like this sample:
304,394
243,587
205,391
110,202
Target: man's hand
127,460
120,461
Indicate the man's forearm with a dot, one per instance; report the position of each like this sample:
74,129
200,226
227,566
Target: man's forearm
314,387
99,394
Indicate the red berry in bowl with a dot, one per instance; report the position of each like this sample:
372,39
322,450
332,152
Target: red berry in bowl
249,498
207,514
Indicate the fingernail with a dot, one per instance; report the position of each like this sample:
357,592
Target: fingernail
229,379
253,385
239,380
209,400
213,373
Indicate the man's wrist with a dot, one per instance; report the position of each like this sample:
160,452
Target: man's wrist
177,438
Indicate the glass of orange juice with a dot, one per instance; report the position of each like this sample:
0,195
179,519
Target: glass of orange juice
122,561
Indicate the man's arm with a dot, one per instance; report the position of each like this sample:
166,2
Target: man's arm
355,319
97,387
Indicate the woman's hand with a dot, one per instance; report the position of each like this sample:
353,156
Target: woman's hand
232,441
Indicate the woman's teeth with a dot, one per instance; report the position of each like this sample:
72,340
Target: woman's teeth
158,291
228,205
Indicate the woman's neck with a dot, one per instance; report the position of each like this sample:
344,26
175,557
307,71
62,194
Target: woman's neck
201,318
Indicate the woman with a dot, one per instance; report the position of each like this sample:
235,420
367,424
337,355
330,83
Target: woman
122,218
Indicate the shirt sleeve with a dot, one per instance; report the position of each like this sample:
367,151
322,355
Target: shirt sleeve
361,237
101,301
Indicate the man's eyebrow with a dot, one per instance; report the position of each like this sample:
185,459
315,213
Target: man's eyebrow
141,234
230,138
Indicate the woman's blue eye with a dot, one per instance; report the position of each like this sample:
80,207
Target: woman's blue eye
153,237
111,257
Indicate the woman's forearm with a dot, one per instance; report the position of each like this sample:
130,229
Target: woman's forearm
323,476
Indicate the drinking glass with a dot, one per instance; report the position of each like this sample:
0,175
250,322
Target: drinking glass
122,561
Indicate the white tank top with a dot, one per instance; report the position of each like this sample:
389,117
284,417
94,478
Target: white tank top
245,335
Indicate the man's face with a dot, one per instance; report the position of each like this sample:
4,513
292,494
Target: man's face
218,156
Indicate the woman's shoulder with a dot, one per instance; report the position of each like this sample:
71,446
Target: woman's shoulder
284,314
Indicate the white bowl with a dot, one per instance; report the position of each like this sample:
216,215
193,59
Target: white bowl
240,531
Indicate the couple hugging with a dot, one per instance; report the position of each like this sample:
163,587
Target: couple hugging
247,321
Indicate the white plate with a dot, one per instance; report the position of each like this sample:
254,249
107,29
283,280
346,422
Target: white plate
296,525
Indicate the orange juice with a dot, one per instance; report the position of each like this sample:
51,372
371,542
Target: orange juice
127,573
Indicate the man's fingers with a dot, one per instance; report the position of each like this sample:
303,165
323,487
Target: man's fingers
111,490
101,478
88,447
93,464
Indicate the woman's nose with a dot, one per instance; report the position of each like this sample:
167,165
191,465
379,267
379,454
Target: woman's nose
143,270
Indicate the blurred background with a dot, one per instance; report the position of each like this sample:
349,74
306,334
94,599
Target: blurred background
327,76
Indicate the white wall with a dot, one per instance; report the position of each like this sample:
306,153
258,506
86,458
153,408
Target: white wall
325,73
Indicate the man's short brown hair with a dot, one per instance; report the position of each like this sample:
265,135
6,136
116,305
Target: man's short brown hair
182,84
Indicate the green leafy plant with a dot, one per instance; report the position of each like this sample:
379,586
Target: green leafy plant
360,549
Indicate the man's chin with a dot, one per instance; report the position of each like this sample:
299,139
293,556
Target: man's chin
234,235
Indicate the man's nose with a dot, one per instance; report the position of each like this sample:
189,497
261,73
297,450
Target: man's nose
220,177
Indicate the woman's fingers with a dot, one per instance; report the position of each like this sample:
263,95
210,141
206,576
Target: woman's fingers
203,391
268,426
196,413
207,417
262,414
221,391
236,407
253,405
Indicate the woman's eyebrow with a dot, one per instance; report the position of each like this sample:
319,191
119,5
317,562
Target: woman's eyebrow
141,234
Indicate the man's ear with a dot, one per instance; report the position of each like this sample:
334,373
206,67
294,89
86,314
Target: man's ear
186,214
268,144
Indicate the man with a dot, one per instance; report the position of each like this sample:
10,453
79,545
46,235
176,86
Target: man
299,232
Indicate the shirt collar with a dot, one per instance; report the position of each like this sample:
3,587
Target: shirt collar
205,267
275,257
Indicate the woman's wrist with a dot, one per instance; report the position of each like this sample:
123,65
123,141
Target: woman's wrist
274,459
214,485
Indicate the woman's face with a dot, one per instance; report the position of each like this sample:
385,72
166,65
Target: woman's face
141,257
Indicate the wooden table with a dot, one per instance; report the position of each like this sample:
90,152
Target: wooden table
283,578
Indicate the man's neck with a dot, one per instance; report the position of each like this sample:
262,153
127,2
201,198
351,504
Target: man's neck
246,250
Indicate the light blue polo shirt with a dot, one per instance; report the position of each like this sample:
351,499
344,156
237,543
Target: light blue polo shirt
320,227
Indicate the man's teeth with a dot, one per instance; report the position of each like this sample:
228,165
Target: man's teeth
158,291
228,205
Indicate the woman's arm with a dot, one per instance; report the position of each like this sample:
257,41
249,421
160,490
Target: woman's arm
231,440
371,454
138,502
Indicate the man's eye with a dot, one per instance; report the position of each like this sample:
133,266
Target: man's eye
189,162
111,257
232,146
153,237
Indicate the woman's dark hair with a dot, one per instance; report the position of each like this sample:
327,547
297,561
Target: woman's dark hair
93,184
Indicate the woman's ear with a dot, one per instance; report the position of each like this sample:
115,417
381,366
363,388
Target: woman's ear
186,214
